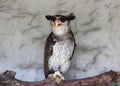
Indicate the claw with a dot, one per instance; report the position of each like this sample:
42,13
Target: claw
57,77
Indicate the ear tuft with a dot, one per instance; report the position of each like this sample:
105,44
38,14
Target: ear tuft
49,17
71,16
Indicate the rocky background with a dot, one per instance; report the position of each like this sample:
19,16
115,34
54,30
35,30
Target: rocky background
24,29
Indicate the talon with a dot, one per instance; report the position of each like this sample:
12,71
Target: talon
58,74
51,76
57,77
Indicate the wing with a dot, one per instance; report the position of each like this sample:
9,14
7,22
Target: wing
72,39
47,53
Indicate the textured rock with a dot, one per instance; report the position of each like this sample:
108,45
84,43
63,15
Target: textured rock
23,30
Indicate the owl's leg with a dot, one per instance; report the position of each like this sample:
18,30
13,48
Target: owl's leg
65,66
57,77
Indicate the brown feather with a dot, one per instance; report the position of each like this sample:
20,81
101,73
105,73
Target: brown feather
47,53
72,39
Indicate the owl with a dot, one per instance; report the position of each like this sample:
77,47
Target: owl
59,46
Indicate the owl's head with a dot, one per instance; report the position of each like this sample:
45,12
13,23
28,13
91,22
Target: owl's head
60,20
60,23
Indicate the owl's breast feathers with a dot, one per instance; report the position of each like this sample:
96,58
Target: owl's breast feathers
50,42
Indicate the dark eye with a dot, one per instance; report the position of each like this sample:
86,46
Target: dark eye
53,19
62,19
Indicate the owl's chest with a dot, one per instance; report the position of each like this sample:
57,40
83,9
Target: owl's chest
62,51
63,48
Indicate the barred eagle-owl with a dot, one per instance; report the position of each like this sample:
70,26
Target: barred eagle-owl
60,45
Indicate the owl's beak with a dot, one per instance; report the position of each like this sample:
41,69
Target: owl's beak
57,23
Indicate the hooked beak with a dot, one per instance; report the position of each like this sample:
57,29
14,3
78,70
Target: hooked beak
57,23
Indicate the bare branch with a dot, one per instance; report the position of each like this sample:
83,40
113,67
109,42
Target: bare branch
8,79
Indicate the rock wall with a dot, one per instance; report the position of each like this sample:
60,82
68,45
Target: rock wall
23,31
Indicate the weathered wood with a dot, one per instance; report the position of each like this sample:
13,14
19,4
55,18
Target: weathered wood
8,79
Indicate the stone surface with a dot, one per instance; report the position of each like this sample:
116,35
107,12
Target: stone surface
23,30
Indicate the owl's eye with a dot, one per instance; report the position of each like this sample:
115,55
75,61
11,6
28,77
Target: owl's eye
53,20
62,19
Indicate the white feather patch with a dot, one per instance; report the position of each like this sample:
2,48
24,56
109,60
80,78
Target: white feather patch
62,30
62,51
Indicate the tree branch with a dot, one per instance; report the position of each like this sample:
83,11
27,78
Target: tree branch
8,79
